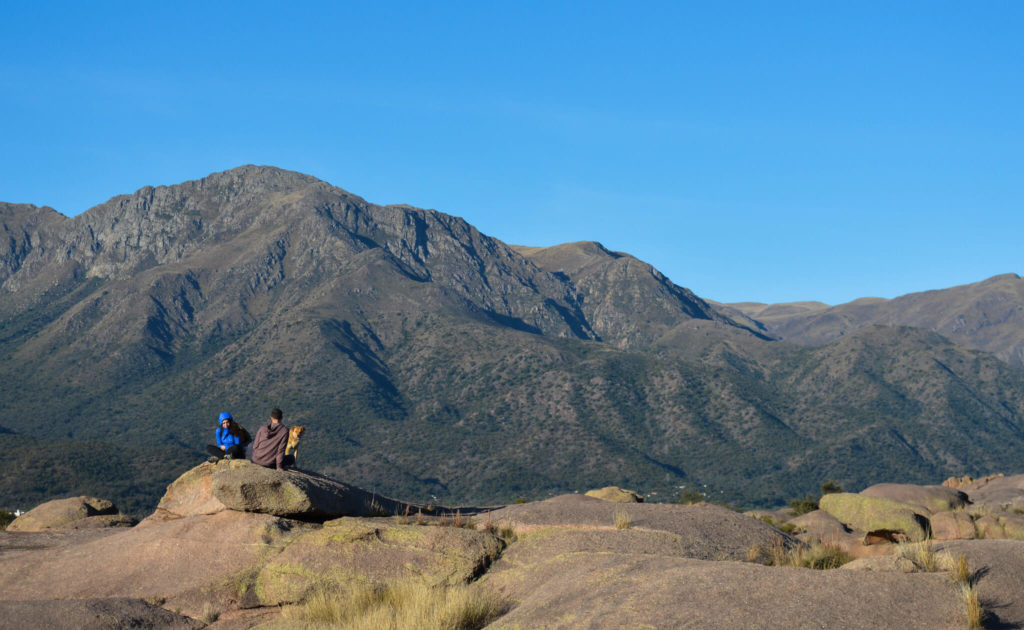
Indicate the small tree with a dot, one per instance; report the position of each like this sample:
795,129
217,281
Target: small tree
5,519
831,487
804,505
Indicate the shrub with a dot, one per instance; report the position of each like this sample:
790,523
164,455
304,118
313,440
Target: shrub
5,519
831,487
622,519
804,505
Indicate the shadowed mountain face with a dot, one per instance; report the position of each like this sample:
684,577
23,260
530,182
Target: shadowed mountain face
987,315
426,358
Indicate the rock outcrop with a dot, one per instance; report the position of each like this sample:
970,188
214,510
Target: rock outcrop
931,498
616,494
374,551
91,614
877,515
239,485
71,513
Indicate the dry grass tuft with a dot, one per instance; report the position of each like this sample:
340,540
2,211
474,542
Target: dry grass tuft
622,520
401,605
975,613
959,570
817,556
209,613
921,554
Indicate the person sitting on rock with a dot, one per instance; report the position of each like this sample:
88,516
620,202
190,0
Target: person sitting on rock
270,442
229,440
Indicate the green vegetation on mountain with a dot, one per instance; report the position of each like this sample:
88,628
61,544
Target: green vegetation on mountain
425,358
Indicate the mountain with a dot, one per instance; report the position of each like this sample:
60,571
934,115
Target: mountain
426,358
987,315
629,303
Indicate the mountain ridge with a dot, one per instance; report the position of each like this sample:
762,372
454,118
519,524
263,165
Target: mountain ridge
428,358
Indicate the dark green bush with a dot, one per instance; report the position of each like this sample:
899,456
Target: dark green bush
831,487
804,505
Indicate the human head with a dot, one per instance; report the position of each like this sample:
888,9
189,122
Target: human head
225,416
276,415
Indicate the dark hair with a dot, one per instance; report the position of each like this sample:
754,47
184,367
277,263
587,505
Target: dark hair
276,414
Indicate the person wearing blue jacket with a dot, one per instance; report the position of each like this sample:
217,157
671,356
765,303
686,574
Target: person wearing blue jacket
229,441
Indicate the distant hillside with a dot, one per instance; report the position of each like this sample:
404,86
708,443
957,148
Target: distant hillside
987,315
426,358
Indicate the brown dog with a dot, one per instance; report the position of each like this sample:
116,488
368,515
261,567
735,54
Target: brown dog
294,433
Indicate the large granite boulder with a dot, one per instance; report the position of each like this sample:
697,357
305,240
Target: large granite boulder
1003,493
952,526
245,487
376,551
616,494
72,513
299,494
931,498
877,515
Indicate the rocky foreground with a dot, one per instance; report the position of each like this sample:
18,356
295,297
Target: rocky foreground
233,545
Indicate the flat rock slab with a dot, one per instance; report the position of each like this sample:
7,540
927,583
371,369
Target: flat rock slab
90,614
931,498
374,550
708,531
999,566
612,591
186,561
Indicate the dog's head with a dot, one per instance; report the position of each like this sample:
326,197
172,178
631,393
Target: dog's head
296,432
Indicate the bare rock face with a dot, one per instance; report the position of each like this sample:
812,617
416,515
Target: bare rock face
616,494
350,549
192,493
242,486
615,590
91,614
952,526
704,530
248,487
931,498
887,564
998,491
75,512
189,562
878,515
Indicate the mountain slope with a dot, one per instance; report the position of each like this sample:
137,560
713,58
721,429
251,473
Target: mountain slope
987,315
427,358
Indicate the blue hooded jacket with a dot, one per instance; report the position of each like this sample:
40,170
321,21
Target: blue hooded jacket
225,439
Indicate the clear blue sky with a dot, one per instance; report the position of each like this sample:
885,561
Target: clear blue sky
764,151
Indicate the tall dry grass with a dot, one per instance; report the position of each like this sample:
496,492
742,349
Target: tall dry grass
399,606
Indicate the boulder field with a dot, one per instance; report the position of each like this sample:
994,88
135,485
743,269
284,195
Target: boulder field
232,545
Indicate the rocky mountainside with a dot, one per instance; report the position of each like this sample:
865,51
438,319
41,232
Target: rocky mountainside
987,315
426,358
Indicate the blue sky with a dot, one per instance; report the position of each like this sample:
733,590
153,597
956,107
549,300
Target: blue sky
751,151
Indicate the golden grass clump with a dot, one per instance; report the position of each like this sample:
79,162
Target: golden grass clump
922,555
622,520
816,556
975,613
400,605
